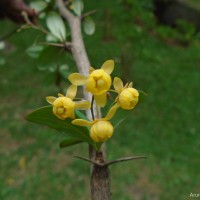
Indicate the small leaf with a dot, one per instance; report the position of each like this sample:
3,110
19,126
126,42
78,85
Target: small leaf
69,142
2,45
52,68
38,5
51,38
34,51
56,26
77,7
46,117
42,68
88,26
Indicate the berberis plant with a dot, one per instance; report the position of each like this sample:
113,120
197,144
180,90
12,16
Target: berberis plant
64,112
66,109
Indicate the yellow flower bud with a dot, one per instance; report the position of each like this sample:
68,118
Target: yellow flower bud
98,82
101,131
128,98
63,107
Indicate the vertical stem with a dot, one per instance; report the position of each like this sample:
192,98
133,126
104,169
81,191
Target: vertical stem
100,182
92,108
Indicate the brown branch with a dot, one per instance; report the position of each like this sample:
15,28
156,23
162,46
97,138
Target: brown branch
110,162
124,159
66,46
12,9
64,11
89,160
32,25
78,47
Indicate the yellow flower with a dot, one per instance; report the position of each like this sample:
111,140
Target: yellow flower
127,96
98,82
101,129
64,106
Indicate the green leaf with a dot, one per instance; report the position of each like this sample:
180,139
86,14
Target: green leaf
56,26
46,117
52,68
38,5
77,7
69,142
88,26
34,51
42,68
2,45
51,38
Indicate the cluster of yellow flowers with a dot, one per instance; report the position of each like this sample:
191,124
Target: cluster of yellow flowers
98,83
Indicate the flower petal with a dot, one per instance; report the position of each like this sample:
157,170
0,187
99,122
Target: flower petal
60,95
108,66
126,86
111,112
91,70
71,92
94,137
130,85
77,79
101,99
118,84
83,105
50,99
82,122
71,115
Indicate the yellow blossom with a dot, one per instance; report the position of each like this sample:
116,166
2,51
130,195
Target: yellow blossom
98,82
64,106
127,96
101,129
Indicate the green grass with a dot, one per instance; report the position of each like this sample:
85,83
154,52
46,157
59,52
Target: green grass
163,126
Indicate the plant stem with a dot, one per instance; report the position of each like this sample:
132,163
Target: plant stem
92,108
100,181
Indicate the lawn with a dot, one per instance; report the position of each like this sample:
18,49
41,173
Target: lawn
164,126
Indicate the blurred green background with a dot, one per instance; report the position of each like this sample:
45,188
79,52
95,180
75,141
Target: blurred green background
163,62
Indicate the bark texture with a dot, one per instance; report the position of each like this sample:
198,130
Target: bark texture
100,182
